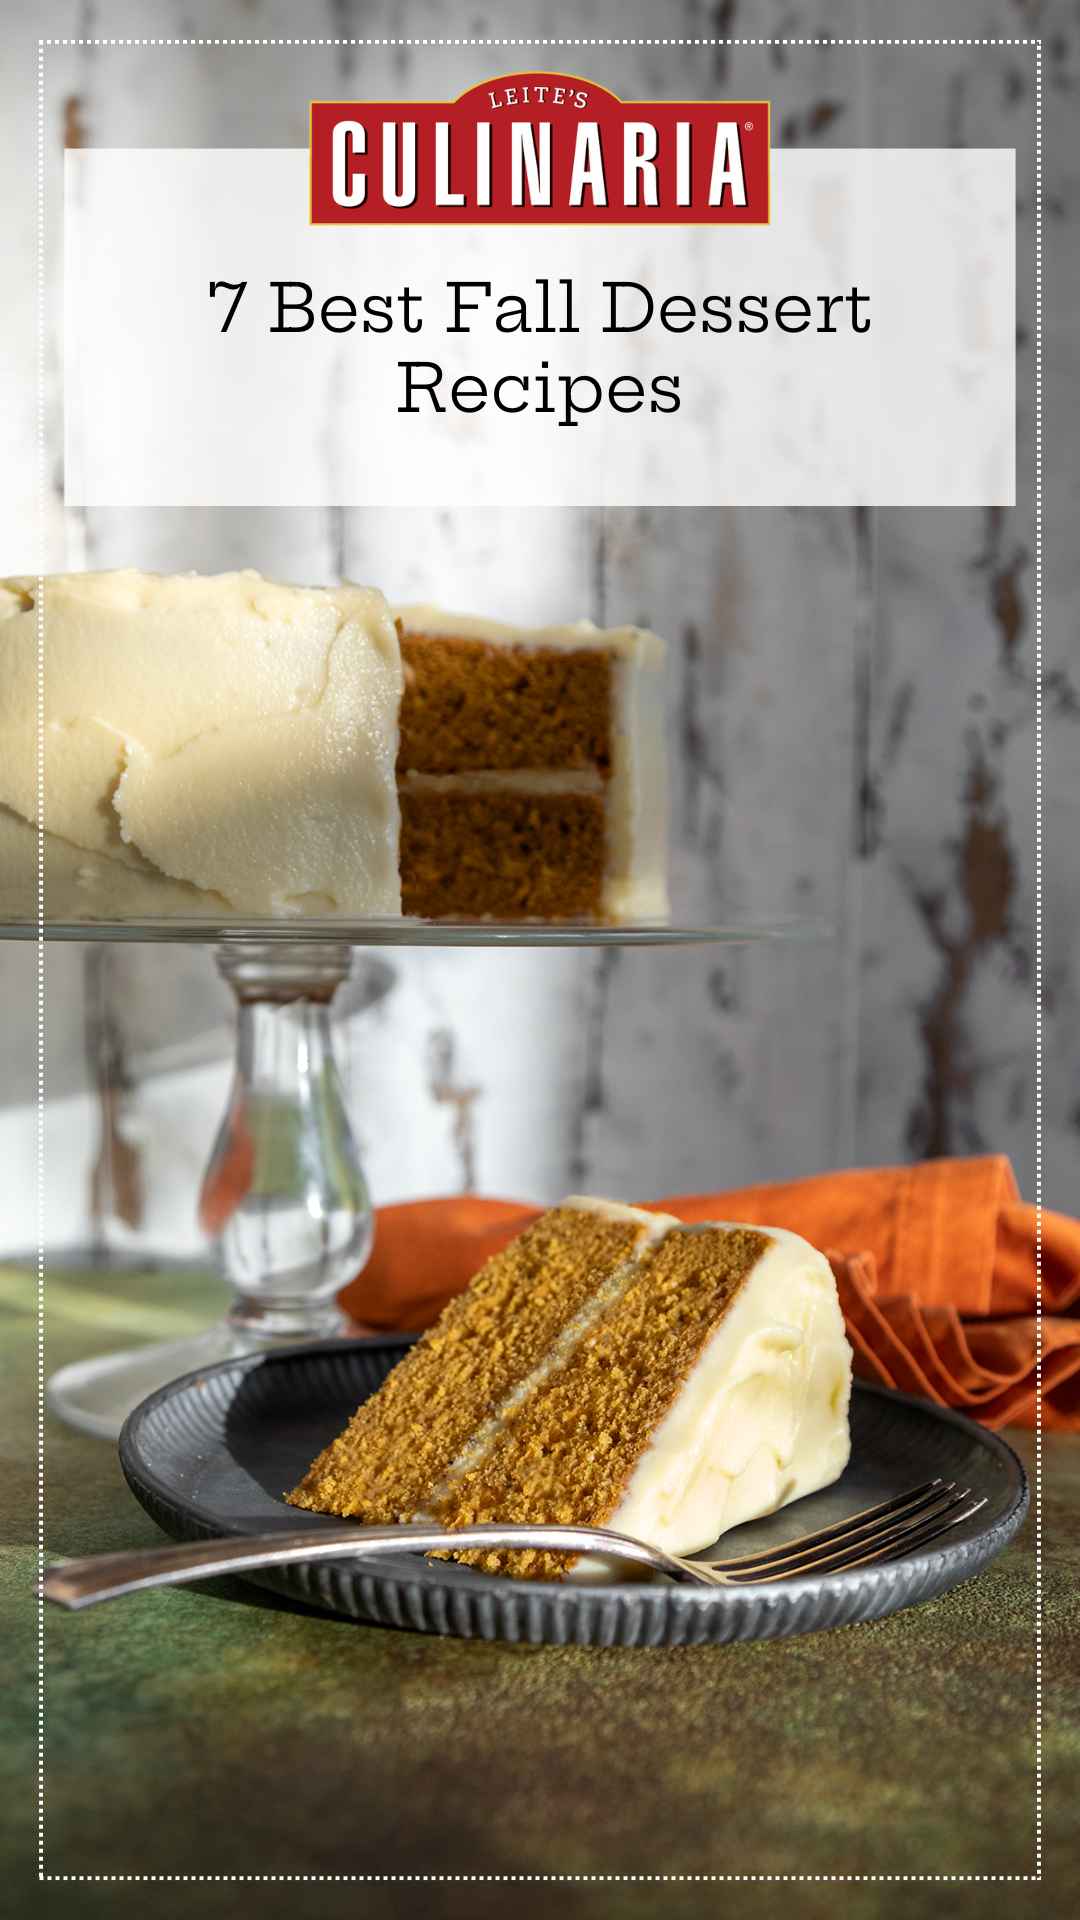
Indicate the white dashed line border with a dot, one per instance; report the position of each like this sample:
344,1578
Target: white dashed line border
822,41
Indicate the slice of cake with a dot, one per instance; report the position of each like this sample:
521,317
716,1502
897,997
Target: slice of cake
615,1368
531,770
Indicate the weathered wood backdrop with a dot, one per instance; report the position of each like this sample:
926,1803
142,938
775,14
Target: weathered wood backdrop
852,693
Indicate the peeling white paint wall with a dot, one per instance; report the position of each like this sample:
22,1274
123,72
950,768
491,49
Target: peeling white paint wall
851,704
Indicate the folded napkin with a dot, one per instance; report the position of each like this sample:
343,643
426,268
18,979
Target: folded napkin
935,1265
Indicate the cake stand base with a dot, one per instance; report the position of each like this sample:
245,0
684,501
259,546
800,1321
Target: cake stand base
97,1395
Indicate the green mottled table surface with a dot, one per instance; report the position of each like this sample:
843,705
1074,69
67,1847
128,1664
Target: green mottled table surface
216,1731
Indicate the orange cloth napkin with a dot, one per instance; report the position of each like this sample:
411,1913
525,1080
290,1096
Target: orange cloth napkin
935,1265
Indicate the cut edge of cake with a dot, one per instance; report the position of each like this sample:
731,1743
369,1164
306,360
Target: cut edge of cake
629,786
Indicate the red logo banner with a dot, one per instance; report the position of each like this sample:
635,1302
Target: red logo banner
539,148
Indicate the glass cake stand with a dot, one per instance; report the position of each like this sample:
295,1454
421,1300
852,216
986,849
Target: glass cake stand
284,1201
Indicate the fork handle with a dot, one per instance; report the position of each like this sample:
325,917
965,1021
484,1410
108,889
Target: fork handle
105,1576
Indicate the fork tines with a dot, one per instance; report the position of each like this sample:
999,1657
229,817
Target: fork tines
896,1526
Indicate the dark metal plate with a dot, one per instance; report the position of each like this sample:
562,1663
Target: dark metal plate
213,1452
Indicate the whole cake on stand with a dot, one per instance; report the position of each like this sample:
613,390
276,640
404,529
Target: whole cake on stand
231,747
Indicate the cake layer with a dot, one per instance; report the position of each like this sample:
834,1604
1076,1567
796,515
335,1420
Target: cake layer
501,851
226,732
401,1443
471,706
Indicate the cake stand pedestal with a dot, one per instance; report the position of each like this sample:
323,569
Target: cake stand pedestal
284,1200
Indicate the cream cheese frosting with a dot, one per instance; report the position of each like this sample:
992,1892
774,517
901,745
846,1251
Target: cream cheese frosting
228,740
87,886
762,1418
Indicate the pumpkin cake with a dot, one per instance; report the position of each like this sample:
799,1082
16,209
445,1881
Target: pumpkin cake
224,745
610,1367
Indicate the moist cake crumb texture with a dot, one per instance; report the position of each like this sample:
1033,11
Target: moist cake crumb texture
469,706
511,714
530,771
508,855
398,1446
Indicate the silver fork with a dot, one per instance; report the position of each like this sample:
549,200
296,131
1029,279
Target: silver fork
897,1526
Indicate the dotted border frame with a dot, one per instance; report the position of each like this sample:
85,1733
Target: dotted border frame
1033,41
